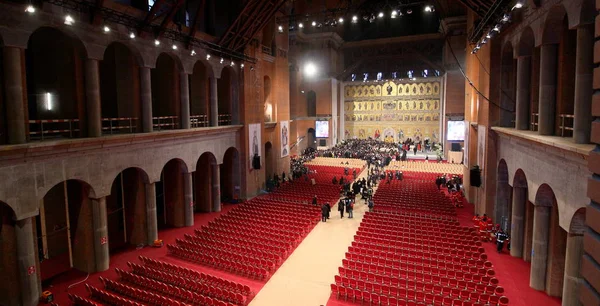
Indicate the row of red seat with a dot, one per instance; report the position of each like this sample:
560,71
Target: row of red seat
80,301
113,299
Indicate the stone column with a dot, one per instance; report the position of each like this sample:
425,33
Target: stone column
27,262
99,223
15,102
517,229
582,122
214,102
146,99
92,96
547,102
151,221
539,252
573,279
523,95
188,193
502,197
184,93
216,188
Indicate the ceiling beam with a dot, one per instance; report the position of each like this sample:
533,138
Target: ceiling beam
95,13
168,20
199,16
472,7
150,16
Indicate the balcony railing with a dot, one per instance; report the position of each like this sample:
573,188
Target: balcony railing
112,126
165,123
53,128
225,119
197,121
566,125
534,121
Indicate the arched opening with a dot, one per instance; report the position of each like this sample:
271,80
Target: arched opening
311,104
547,259
565,100
64,230
526,92
126,209
311,138
507,87
230,176
269,166
9,278
166,105
268,105
55,85
170,195
120,91
204,180
199,96
503,207
227,87
518,229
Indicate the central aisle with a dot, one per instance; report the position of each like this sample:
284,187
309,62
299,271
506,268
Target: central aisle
305,277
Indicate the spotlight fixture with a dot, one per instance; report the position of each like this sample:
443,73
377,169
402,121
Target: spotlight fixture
106,29
505,18
207,57
301,25
193,53
518,5
354,19
496,28
380,15
221,61
69,20
341,20
394,14
314,23
132,35
488,36
484,41
251,68
280,29
409,11
302,91
428,8
30,9
174,47
242,65
310,70
232,63
156,42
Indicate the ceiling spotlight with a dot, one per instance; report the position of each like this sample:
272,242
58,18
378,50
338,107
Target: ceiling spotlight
106,29
193,53
221,61
251,68
310,70
301,25
131,35
518,5
505,18
242,65
496,28
394,13
484,41
428,8
30,9
174,47
69,20
232,63
280,29
354,19
380,15
302,91
314,23
341,20
156,42
207,57
488,36
409,11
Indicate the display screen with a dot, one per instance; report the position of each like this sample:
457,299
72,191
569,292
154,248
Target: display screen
322,129
456,130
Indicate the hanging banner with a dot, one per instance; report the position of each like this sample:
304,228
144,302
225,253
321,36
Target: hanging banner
285,143
253,142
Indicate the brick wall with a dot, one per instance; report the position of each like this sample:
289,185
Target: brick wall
590,269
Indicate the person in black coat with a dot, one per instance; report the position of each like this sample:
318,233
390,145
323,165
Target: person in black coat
324,212
328,209
349,208
314,202
341,207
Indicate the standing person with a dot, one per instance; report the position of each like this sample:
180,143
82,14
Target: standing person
314,200
501,236
324,213
350,208
328,210
341,208
370,204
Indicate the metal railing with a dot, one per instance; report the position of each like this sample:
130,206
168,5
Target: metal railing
165,123
53,128
225,119
534,121
566,125
119,125
197,121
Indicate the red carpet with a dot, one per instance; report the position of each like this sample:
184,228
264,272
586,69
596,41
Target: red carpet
59,285
512,272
